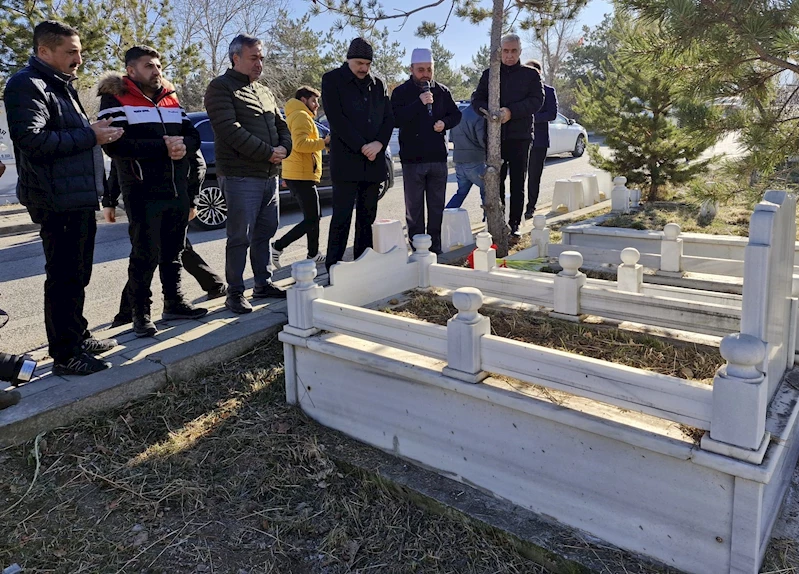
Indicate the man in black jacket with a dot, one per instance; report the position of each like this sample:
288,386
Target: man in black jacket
538,151
423,111
192,261
61,175
361,121
153,174
521,96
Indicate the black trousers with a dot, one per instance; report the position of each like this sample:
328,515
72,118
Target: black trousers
68,241
305,193
425,183
194,264
348,194
157,231
535,168
514,155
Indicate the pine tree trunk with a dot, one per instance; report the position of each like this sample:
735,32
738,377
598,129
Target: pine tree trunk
495,215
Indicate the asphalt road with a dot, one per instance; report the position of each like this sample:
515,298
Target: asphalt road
22,260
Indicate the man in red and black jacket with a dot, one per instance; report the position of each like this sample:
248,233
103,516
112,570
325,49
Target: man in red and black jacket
153,171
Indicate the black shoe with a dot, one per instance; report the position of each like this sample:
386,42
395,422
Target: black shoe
216,293
82,364
528,215
96,346
143,325
182,310
9,399
267,291
121,319
237,303
514,231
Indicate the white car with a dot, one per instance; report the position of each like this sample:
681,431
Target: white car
565,135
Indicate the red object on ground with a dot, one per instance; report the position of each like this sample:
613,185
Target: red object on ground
470,259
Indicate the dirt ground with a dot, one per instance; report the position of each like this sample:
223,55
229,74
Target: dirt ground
219,475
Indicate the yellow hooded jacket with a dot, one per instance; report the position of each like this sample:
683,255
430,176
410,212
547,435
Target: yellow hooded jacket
304,163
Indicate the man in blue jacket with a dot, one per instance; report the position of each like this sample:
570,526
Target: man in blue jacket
469,155
423,111
61,175
538,151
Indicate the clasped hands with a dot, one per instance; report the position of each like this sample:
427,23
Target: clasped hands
175,147
279,153
371,150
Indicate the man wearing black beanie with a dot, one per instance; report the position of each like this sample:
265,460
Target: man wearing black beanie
361,121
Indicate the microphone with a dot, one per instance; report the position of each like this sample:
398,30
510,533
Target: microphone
426,88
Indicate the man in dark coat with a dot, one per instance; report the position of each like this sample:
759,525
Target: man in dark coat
538,151
153,173
423,111
521,96
361,121
192,261
251,139
61,175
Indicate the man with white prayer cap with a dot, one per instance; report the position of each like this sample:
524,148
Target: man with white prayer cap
423,111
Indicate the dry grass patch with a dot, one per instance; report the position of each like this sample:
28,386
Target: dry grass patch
731,219
678,359
219,475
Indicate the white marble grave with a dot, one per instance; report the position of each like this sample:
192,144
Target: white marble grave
607,457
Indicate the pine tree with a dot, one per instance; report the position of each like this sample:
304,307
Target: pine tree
445,73
480,62
19,17
655,133
107,29
734,52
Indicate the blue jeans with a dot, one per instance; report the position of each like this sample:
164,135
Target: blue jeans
253,216
468,174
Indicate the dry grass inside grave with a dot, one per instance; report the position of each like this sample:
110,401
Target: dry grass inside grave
677,358
730,220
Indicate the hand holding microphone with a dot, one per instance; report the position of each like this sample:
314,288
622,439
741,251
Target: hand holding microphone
427,98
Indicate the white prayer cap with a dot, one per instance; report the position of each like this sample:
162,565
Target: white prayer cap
421,56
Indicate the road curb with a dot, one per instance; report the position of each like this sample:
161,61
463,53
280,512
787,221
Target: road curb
74,398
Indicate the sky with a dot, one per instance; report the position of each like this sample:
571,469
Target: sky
460,37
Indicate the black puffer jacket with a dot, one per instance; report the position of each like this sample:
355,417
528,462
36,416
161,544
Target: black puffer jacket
143,165
521,91
53,142
247,126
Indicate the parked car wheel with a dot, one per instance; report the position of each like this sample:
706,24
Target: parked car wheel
579,146
389,183
383,189
211,207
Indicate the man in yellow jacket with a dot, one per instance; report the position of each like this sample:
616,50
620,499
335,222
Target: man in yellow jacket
302,170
